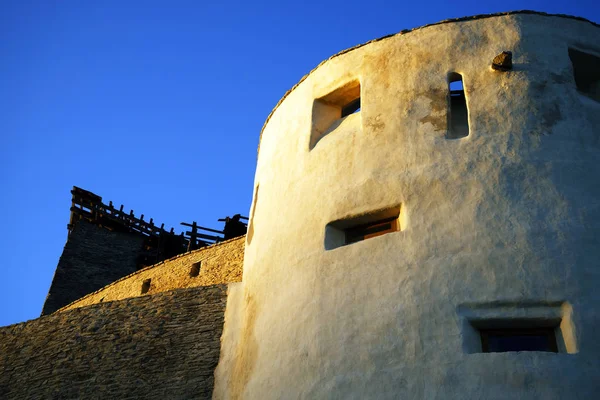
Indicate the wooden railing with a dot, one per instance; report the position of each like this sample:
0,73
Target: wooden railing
160,243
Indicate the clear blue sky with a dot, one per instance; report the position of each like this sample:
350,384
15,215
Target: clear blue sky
143,103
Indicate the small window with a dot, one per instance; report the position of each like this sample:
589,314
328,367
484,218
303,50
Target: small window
458,114
370,230
355,229
504,340
331,110
500,326
195,271
586,69
146,286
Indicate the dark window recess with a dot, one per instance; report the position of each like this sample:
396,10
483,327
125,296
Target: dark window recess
195,271
586,69
458,115
146,286
503,340
366,231
355,229
351,108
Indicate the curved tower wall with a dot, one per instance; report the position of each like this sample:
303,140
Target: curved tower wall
499,227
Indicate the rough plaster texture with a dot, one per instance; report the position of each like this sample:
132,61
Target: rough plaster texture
164,346
220,263
505,220
92,258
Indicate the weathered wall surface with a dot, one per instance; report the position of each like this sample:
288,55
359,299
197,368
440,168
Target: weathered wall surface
92,258
164,346
220,263
505,220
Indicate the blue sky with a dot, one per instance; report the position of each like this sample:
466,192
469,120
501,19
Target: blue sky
158,105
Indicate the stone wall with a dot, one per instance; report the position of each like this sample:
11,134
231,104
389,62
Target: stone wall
220,263
92,258
164,346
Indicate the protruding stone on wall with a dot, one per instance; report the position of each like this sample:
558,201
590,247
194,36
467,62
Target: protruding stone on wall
503,61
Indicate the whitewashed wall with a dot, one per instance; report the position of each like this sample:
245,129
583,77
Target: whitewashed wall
503,224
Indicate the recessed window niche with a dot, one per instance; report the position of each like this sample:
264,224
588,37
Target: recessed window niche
146,286
586,70
513,327
331,110
195,270
355,229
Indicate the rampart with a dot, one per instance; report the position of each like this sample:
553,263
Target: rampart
217,264
106,243
163,346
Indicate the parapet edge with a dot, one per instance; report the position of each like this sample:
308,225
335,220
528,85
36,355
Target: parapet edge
202,249
404,31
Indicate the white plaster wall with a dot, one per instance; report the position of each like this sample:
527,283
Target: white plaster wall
505,221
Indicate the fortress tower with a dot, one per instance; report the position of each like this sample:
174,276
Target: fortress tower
412,240
425,225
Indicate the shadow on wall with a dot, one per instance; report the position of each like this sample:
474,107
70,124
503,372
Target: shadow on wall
250,233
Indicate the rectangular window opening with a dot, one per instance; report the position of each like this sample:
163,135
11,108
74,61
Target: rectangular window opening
370,230
331,110
586,70
523,339
502,326
359,228
195,270
458,115
146,286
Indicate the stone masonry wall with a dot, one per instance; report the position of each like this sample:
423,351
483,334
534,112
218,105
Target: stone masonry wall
164,346
92,258
220,263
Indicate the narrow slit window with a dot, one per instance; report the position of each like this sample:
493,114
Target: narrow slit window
586,70
458,115
146,286
356,229
195,270
250,233
505,340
